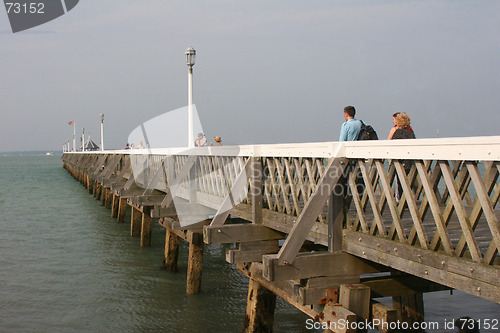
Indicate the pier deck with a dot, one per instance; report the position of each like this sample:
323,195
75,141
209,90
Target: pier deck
318,224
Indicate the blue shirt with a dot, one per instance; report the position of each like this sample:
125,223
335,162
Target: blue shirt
350,130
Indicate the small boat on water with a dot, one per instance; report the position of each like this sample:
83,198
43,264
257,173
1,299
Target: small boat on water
49,153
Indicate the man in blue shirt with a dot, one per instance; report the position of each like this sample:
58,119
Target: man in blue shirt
350,129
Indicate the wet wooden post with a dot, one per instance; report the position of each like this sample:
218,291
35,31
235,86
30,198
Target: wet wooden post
171,251
135,222
97,190
122,210
109,198
147,222
410,308
261,302
115,204
90,185
103,195
195,264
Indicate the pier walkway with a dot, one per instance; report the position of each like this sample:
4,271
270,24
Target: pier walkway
318,224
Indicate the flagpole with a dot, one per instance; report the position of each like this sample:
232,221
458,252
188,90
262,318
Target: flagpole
74,136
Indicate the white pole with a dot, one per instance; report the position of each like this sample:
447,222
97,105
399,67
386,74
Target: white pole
74,136
102,132
83,140
190,106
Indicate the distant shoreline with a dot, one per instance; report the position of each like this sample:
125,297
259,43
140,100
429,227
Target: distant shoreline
29,153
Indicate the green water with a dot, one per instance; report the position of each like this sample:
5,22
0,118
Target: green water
67,266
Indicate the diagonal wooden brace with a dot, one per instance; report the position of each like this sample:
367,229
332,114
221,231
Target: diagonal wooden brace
311,210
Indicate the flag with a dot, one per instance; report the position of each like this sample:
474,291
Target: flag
71,123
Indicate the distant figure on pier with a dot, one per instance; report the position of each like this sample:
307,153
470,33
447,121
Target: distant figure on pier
403,131
350,129
218,141
127,146
140,146
132,146
201,141
395,127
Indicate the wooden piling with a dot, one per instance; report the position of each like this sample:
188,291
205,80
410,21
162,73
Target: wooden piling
171,251
195,264
135,222
97,193
89,184
109,198
147,223
103,195
115,204
410,308
122,210
261,303
356,298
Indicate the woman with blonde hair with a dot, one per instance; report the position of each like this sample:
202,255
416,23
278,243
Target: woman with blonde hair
403,128
403,131
394,121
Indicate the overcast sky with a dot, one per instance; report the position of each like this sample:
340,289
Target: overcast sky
266,71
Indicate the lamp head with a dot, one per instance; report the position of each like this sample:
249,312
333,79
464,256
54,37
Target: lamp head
190,56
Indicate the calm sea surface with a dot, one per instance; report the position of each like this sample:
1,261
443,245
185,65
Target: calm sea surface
67,266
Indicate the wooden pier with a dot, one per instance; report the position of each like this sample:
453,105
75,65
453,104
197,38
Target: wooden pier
318,224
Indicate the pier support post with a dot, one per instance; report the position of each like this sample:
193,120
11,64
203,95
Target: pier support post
103,195
114,205
195,264
410,308
147,222
356,298
135,222
109,198
122,210
97,190
89,184
171,251
261,303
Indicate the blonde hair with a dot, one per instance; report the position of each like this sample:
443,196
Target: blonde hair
402,120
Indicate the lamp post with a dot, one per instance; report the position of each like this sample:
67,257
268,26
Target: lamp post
190,58
74,136
83,140
102,131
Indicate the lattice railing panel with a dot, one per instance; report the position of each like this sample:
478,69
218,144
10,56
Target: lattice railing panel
289,182
446,206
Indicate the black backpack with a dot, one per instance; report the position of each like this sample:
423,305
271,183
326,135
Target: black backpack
367,132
